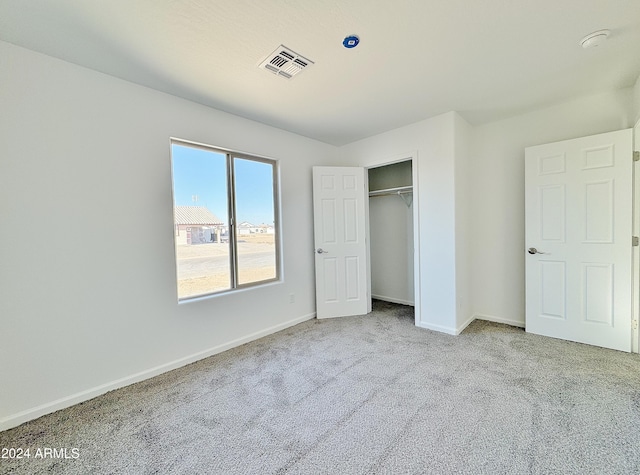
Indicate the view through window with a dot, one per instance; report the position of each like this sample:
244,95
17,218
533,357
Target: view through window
225,219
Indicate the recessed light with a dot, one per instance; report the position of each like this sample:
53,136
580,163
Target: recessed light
594,39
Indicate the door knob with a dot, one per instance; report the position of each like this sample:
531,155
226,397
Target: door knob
533,250
321,251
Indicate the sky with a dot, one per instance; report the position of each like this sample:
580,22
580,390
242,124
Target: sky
200,179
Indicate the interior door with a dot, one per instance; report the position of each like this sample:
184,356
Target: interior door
578,203
340,246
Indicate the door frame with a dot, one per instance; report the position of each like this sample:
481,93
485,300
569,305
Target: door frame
635,294
403,157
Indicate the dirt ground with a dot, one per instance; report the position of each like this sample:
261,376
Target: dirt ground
217,281
246,244
213,283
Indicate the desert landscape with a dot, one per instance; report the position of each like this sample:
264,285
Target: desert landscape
204,268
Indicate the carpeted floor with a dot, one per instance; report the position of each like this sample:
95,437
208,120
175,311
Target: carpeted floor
361,395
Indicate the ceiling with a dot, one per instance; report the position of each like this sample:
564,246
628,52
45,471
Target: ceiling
486,59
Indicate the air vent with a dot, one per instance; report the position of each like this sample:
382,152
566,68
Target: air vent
285,63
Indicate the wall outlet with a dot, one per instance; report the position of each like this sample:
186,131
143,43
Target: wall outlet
292,298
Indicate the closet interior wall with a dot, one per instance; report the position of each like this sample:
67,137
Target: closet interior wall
391,232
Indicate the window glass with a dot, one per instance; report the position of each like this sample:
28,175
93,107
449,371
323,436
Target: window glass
225,236
255,213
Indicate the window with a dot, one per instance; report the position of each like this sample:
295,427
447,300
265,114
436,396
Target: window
225,219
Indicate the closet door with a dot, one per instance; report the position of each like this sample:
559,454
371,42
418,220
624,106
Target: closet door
340,248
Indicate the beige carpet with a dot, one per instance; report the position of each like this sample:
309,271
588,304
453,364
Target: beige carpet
361,395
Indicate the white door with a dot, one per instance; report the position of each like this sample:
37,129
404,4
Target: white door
340,247
578,201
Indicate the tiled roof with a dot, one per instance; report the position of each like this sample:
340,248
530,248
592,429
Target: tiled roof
195,215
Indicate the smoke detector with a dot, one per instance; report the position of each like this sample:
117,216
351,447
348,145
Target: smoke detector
594,39
285,63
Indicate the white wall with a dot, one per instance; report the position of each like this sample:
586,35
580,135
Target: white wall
82,151
464,233
433,141
496,171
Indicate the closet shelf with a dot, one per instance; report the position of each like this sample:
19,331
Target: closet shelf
400,190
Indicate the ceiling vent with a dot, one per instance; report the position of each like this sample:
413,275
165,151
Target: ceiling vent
285,63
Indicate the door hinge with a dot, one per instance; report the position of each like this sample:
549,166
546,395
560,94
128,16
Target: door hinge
636,156
634,324
635,241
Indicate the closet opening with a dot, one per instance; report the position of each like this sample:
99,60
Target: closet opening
391,232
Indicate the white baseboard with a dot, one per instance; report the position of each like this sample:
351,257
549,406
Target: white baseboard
506,321
437,328
461,328
392,300
38,411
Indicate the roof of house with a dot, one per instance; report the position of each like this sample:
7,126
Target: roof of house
195,215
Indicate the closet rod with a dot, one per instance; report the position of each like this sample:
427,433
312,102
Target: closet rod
401,190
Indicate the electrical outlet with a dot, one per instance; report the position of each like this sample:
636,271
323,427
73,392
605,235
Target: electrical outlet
292,298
